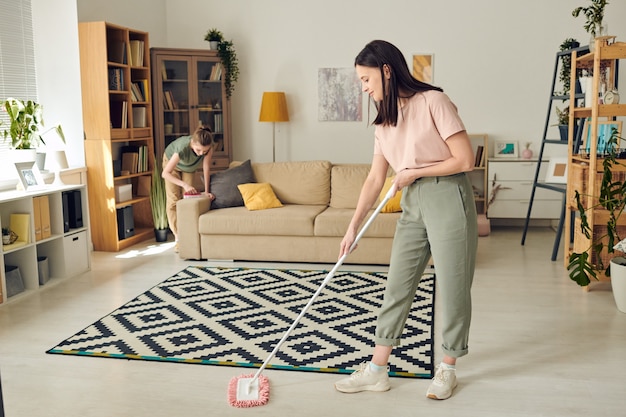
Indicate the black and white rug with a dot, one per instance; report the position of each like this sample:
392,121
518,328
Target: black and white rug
235,317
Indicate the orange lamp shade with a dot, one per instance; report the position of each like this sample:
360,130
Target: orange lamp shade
274,107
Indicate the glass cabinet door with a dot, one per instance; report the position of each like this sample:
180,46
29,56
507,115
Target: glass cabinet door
176,100
209,108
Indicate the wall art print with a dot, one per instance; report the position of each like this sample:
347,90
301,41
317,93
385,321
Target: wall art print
339,95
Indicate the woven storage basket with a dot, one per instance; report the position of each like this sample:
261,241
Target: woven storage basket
580,183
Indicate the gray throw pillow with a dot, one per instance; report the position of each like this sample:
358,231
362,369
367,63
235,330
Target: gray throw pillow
224,185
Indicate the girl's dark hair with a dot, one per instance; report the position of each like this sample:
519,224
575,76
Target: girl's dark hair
204,136
378,53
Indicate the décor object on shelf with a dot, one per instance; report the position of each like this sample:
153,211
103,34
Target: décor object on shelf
29,176
274,109
505,150
158,204
612,198
527,153
594,24
214,37
563,122
55,162
618,277
8,236
26,124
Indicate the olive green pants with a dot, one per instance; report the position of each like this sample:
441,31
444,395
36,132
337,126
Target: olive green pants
439,219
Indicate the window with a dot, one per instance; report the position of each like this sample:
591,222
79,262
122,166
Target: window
17,65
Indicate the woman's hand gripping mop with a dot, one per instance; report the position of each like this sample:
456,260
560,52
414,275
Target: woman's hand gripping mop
253,390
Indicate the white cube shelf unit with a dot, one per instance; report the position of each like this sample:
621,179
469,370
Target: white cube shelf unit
66,248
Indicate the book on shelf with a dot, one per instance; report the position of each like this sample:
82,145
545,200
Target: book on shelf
136,89
136,53
216,72
163,72
116,51
116,79
139,117
479,160
119,114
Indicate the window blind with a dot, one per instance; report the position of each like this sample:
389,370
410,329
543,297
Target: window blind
18,77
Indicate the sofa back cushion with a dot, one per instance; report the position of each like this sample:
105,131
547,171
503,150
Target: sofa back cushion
346,182
296,182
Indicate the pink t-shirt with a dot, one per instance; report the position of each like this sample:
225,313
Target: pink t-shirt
418,139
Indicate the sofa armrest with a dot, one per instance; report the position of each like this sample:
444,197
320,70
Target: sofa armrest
188,211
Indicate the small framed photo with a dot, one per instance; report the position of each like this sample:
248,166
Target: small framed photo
505,150
557,170
604,134
30,176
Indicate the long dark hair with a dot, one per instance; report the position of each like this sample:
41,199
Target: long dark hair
378,53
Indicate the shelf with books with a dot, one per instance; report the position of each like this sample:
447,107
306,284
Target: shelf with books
114,124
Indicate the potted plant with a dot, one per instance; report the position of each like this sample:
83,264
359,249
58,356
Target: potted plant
594,14
158,204
563,122
584,266
228,55
214,37
26,125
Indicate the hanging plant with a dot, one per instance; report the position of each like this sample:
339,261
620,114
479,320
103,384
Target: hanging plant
594,14
226,51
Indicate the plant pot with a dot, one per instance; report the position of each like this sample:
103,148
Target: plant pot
213,45
563,130
160,235
6,239
618,282
23,155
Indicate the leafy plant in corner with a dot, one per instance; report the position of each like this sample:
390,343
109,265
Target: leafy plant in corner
562,115
25,128
612,198
158,198
594,14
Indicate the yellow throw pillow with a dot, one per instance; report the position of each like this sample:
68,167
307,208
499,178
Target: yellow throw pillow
393,205
259,196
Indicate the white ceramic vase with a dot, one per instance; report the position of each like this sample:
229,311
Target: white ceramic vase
618,282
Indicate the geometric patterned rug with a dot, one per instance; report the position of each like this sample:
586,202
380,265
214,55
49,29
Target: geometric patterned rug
235,317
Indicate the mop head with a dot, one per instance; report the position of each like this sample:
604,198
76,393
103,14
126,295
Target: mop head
244,391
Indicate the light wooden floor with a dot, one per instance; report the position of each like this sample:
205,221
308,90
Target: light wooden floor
540,346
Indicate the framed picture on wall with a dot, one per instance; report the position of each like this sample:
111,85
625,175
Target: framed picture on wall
557,170
505,150
29,175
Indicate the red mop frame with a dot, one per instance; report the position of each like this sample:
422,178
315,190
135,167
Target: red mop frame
253,390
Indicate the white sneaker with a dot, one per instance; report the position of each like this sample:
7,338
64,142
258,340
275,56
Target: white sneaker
443,384
364,380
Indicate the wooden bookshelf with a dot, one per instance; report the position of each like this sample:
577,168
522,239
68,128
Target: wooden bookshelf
117,116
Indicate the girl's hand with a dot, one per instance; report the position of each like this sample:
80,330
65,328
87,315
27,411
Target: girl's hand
210,195
189,189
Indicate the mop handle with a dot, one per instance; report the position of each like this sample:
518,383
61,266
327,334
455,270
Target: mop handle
388,196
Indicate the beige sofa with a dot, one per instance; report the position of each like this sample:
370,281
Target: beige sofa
318,200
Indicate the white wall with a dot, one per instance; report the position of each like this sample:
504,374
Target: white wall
494,58
57,64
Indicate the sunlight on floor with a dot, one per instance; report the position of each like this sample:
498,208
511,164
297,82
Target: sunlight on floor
150,250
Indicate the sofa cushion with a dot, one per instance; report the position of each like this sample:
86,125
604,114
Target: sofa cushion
346,181
290,220
224,185
259,196
335,221
297,182
393,205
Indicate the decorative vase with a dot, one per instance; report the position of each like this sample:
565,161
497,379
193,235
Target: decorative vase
618,282
6,239
160,235
527,153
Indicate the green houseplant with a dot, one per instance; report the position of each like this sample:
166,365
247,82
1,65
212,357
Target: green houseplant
565,72
158,204
594,14
26,124
228,55
583,266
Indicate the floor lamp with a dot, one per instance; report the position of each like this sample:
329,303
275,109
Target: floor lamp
274,109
